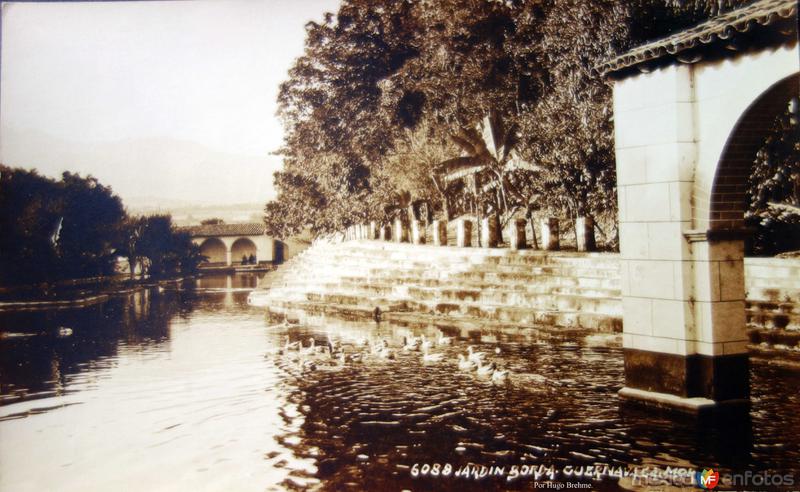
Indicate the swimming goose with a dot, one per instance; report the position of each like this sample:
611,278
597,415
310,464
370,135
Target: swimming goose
410,344
443,340
345,358
475,357
485,370
499,376
289,345
383,351
376,347
426,357
426,344
386,353
465,364
64,331
311,347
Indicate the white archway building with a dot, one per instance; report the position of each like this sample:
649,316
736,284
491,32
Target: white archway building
690,111
228,244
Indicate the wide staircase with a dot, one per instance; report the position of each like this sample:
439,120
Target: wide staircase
450,287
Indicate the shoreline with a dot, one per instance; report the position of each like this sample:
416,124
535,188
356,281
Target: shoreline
96,290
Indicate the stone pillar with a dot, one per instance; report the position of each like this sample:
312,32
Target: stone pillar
516,234
385,232
228,255
463,233
373,230
400,232
584,232
489,229
440,233
417,232
550,239
684,334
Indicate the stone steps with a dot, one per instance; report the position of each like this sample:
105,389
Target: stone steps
480,306
469,289
463,285
564,322
772,315
499,287
540,281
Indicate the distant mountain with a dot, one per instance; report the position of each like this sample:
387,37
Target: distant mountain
189,214
158,173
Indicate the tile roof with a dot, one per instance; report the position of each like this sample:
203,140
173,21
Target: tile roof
209,230
722,27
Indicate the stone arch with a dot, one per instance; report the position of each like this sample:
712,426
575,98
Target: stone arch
214,249
243,247
727,201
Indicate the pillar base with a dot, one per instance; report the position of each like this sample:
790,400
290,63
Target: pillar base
694,406
688,383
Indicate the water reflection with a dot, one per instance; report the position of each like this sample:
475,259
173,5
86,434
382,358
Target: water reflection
37,361
172,390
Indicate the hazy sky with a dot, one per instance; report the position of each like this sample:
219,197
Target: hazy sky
161,100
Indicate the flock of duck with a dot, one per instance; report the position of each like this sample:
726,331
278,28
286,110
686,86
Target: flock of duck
332,355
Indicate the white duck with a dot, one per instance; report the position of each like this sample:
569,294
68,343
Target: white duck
427,357
476,357
485,370
345,358
376,347
426,344
498,376
465,364
442,340
410,344
289,345
311,349
385,353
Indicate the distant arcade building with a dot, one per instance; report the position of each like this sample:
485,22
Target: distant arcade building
228,245
690,112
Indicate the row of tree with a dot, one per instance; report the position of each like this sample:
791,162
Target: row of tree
452,107
75,227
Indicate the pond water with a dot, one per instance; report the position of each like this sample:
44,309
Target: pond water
187,391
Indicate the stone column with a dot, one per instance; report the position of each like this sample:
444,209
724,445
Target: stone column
385,232
417,232
373,230
516,234
684,332
228,255
489,232
400,232
584,231
440,233
463,233
550,239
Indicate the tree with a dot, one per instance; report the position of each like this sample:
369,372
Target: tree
133,228
502,92
166,250
774,186
56,229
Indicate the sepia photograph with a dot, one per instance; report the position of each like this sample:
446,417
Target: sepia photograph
399,245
